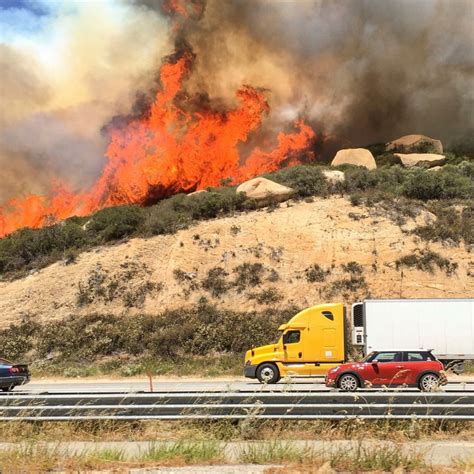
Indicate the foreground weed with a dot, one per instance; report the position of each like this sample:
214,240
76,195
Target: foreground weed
188,452
374,458
112,455
274,452
29,458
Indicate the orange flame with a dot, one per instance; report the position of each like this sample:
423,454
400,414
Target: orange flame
170,150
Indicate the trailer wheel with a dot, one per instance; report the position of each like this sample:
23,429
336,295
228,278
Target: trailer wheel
428,382
268,373
348,383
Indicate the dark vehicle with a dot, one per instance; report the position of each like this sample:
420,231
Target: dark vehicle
12,375
415,368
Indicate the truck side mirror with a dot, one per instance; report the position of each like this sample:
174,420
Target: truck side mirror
284,347
375,362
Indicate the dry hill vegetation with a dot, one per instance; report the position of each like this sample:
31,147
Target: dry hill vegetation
134,289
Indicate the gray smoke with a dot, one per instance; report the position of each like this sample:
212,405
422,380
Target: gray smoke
362,71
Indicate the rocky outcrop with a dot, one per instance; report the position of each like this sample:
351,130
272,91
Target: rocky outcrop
425,160
415,144
264,190
334,176
355,156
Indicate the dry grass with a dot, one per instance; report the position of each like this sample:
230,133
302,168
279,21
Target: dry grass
252,429
33,458
358,459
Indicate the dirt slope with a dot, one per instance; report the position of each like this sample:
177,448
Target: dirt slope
140,275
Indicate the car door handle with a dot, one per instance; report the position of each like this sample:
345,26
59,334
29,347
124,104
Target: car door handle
399,367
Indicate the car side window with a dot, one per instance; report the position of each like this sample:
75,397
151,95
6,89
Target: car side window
291,337
416,356
388,357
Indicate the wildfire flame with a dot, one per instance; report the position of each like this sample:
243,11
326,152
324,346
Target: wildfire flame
169,150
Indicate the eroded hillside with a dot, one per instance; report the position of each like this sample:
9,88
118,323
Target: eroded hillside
299,253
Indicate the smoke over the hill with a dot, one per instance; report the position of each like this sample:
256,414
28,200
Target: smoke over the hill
360,71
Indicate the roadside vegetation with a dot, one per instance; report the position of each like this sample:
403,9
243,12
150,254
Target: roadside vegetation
448,193
197,340
208,442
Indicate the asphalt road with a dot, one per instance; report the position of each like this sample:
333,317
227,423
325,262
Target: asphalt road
190,385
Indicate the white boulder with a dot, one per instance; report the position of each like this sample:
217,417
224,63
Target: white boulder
426,160
262,189
413,143
355,156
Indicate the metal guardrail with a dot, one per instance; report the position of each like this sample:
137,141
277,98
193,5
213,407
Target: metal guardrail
238,405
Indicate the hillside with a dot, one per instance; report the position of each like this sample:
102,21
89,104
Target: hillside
296,253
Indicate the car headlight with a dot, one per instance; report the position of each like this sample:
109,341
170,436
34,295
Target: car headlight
332,371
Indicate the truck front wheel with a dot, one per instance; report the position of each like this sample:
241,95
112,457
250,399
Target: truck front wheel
268,373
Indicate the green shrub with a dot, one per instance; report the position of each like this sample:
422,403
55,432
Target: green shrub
355,199
358,178
248,275
268,296
388,159
199,330
305,180
353,267
216,281
425,185
315,273
17,340
115,223
425,261
450,225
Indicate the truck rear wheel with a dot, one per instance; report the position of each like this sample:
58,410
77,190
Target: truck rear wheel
268,373
348,383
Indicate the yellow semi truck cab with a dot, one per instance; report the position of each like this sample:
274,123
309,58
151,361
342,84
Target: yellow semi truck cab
311,343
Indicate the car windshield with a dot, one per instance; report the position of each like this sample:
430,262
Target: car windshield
368,357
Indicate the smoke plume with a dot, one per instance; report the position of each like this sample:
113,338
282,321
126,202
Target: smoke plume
362,71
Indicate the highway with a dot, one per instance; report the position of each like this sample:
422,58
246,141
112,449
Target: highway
235,399
196,385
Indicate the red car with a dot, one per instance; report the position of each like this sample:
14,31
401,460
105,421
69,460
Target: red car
389,368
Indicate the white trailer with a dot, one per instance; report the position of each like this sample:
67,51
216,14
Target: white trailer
444,325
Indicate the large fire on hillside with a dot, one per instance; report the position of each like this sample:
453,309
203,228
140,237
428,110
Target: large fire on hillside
178,145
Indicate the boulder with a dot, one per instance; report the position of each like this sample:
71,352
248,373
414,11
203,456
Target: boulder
262,189
355,156
425,160
334,176
415,143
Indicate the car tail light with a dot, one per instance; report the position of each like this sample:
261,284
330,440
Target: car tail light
14,370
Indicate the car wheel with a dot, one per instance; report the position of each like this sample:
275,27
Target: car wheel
348,383
268,373
428,382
